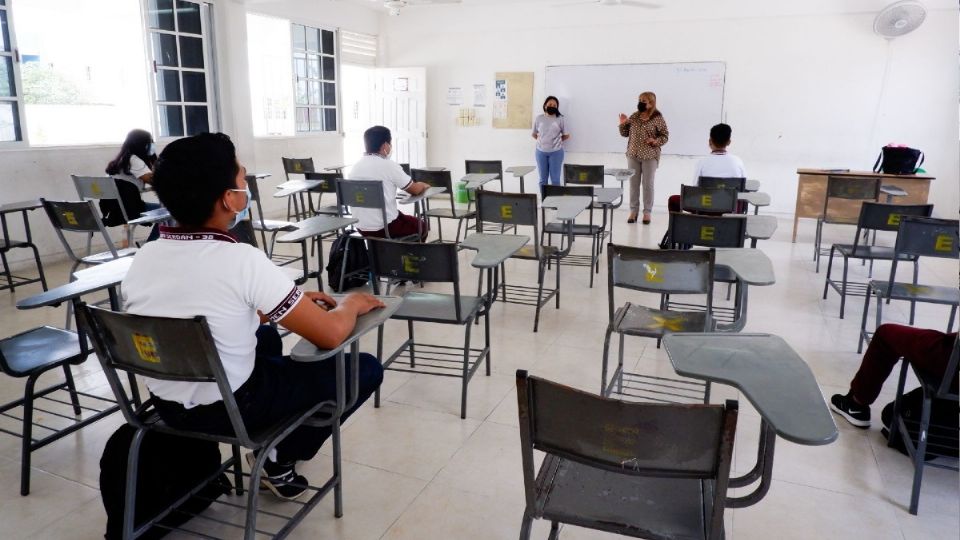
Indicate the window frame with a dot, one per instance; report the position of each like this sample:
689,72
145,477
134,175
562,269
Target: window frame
336,81
14,54
210,70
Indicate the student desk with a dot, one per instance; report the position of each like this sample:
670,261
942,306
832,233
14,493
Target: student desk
752,185
776,381
520,171
297,189
812,190
756,198
752,267
477,180
311,228
151,216
7,243
622,175
492,250
760,228
304,351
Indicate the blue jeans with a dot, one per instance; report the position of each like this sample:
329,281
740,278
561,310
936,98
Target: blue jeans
550,165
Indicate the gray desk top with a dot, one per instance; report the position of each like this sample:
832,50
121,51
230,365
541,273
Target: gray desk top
89,280
336,168
151,216
620,174
568,207
304,351
476,180
261,175
429,192
520,170
768,372
607,196
761,227
893,191
292,187
431,169
315,226
19,206
752,185
493,249
755,198
752,266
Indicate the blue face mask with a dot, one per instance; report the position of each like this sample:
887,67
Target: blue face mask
242,214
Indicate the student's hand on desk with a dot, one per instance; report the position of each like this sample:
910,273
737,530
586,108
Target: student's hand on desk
362,302
323,300
623,119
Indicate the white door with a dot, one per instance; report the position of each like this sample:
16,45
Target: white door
400,103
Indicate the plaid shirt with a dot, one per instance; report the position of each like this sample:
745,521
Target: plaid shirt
639,130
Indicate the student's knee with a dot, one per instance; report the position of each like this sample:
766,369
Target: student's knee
370,373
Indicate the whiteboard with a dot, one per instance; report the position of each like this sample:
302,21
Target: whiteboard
690,96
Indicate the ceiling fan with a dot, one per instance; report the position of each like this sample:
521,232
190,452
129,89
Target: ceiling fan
394,6
628,3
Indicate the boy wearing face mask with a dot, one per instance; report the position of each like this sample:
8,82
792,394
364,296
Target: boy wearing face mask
646,132
377,165
550,130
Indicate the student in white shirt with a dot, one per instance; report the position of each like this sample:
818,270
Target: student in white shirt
197,268
719,164
377,165
131,169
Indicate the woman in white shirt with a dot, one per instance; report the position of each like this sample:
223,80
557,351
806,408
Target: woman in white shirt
550,130
132,168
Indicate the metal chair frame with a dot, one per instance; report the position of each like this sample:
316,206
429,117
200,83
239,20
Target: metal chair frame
596,232
433,263
873,217
916,237
7,243
848,188
442,179
99,188
274,227
183,350
634,452
663,272
299,206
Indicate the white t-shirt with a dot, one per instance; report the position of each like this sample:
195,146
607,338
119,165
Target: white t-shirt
137,169
207,272
376,167
720,165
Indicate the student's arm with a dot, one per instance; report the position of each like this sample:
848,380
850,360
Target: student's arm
416,188
663,133
564,134
536,129
326,324
147,178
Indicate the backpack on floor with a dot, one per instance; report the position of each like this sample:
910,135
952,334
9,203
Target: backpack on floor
169,467
942,437
357,260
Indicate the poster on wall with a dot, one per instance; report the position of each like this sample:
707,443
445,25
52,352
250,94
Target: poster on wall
513,100
454,96
479,95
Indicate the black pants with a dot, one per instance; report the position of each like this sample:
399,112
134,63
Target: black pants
277,388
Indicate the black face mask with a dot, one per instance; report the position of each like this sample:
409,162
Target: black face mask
641,106
552,110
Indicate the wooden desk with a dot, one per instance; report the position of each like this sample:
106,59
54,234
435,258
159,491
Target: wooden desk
812,190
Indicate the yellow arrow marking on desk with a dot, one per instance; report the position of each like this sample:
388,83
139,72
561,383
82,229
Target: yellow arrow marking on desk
674,324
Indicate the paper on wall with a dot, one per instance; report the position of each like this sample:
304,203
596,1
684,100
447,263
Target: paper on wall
454,95
479,95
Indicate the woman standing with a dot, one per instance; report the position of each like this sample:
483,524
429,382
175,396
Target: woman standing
647,132
550,131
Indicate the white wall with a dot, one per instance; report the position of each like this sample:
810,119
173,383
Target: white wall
28,173
803,88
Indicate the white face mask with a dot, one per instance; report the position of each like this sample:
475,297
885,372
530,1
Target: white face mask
152,149
242,214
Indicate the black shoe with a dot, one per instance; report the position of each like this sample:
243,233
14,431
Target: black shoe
845,406
282,480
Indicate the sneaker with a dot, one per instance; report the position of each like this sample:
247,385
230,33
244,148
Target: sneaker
845,406
282,480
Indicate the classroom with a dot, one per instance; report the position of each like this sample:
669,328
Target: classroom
479,269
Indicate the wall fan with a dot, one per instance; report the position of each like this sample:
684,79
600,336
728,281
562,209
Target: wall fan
899,18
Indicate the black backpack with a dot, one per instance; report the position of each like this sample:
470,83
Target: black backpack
898,160
357,262
169,467
942,437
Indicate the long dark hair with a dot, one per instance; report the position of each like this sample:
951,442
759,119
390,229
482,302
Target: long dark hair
137,144
548,101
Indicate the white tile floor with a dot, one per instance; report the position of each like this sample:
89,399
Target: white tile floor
415,470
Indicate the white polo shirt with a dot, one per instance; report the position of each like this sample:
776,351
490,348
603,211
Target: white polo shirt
137,169
377,167
207,272
720,165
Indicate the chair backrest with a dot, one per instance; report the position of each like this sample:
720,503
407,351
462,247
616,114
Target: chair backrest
254,186
406,168
708,231
739,184
434,262
582,174
79,217
876,216
328,181
925,237
434,178
161,348
361,193
297,166
663,271
101,188
708,200
637,439
474,166
507,208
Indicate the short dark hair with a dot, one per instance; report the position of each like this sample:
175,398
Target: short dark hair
374,138
720,135
192,173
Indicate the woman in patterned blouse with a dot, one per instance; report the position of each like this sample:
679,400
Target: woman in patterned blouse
647,132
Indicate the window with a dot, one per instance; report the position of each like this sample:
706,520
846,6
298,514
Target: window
82,70
315,78
271,75
182,69
9,95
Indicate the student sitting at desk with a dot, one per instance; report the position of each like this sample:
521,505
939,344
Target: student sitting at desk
719,164
377,165
199,269
131,169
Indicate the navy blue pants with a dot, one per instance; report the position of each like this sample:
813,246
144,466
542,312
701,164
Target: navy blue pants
277,388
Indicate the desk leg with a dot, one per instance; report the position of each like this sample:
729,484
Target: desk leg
763,470
796,219
740,320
